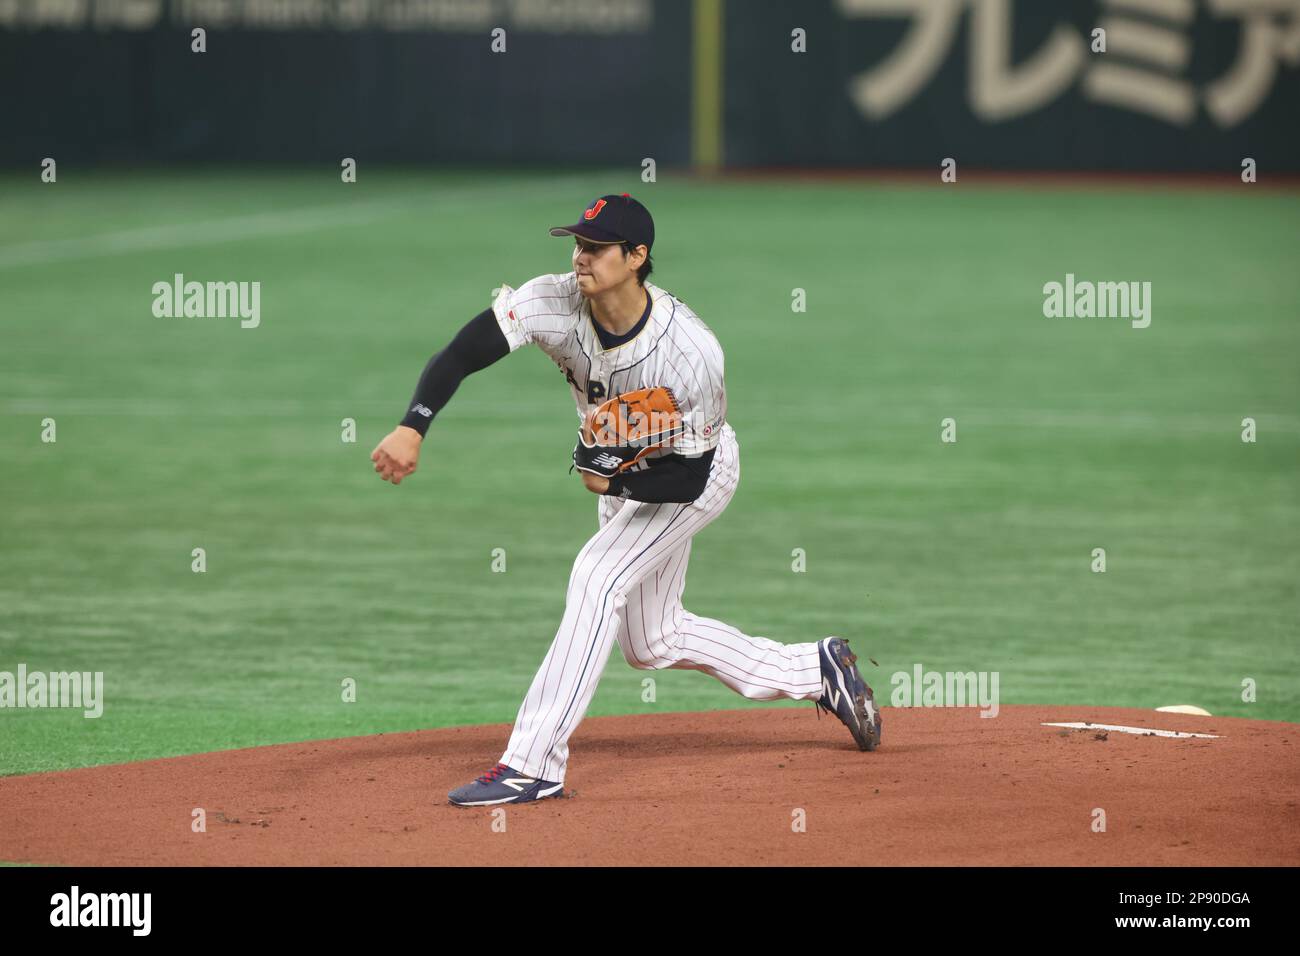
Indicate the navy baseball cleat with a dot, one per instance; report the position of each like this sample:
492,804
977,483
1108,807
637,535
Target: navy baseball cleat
503,785
846,695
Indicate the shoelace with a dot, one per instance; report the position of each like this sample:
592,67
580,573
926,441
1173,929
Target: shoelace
491,776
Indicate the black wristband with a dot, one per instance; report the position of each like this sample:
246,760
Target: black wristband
669,478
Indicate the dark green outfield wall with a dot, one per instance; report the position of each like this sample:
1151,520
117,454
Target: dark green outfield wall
991,83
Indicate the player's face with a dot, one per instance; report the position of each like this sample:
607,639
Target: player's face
600,267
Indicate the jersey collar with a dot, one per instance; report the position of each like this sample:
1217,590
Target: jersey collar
608,340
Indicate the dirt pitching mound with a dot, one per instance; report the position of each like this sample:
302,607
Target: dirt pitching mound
727,787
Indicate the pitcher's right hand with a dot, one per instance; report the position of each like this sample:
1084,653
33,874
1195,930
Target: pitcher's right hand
396,456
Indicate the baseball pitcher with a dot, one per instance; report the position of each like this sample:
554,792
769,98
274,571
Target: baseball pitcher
654,445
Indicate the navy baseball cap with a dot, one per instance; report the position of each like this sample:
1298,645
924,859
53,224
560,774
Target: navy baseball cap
612,219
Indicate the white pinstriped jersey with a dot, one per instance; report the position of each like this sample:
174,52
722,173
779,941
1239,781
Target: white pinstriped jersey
673,349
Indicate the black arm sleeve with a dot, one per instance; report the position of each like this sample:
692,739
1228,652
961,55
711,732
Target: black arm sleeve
670,478
475,347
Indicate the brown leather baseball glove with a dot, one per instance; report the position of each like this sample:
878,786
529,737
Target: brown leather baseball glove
623,430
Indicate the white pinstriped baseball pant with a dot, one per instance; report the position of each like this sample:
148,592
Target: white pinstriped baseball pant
627,584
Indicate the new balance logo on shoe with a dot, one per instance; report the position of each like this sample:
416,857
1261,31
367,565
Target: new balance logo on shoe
830,695
846,695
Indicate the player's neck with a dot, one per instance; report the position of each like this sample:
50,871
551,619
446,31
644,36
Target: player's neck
617,310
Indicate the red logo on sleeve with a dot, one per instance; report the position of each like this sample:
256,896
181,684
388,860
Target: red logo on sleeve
594,211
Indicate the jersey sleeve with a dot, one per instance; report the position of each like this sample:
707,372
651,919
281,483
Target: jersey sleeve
540,312
702,398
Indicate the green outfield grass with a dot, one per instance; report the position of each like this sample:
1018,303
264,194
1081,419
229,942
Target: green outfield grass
924,302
